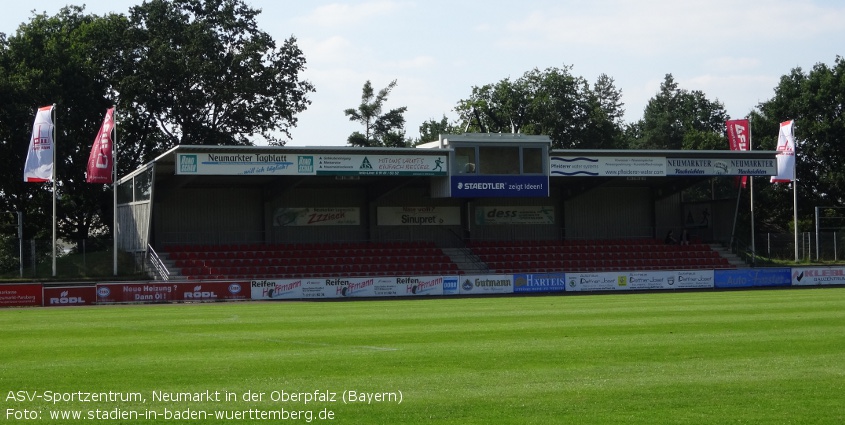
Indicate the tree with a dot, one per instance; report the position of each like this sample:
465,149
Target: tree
680,119
551,102
816,101
62,59
201,72
431,130
182,71
380,130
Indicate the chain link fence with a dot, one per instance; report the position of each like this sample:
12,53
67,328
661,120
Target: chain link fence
80,259
823,247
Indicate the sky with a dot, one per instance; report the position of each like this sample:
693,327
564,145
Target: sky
733,51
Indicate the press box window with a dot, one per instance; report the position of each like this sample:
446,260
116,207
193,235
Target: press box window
465,160
498,160
532,161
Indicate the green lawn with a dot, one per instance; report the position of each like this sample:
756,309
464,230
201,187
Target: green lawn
734,357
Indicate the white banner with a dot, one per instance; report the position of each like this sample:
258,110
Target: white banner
486,284
419,216
720,167
624,281
244,164
39,157
817,276
515,215
601,166
337,216
786,153
381,165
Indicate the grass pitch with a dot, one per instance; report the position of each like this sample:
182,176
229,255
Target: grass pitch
739,357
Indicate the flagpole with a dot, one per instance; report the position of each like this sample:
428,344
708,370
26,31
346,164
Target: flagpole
795,191
114,190
751,192
55,147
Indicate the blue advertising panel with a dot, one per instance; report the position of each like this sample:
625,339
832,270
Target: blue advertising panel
746,278
499,186
539,282
450,285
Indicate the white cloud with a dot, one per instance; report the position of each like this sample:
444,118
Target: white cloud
419,62
733,64
342,14
669,25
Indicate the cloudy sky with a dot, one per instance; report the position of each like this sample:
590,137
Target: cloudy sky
733,51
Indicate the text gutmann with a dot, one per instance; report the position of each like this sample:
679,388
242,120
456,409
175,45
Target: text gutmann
492,282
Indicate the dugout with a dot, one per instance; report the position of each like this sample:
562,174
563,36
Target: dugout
459,188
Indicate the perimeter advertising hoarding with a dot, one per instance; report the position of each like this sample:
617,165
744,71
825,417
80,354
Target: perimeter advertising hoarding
70,295
602,166
817,276
155,292
244,164
747,278
419,216
643,280
499,186
486,284
451,285
27,295
380,165
274,289
720,167
539,282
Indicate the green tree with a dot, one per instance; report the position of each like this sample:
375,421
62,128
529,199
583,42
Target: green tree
431,130
380,129
62,59
201,72
551,102
679,119
816,101
183,71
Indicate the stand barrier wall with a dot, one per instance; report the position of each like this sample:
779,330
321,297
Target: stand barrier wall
37,294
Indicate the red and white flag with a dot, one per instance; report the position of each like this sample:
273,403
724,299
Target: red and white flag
100,163
786,153
39,159
739,138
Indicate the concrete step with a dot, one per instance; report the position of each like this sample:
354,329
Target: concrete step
466,260
733,259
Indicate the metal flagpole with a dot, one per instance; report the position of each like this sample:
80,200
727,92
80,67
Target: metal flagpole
795,190
751,192
55,147
114,182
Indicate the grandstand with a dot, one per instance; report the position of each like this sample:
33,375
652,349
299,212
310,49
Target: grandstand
466,204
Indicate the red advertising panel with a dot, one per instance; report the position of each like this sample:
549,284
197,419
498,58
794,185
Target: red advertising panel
69,295
20,295
161,292
212,291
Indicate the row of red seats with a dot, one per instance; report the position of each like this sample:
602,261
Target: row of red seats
565,242
322,270
319,246
352,252
608,265
588,248
225,262
597,256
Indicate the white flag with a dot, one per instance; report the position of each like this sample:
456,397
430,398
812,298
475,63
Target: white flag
786,153
39,159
